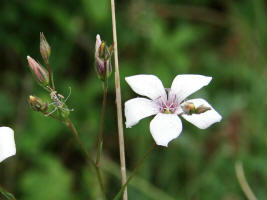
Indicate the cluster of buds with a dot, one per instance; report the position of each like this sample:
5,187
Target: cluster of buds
103,59
45,79
189,108
38,104
39,72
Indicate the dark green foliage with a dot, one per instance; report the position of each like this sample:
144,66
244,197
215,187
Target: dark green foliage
222,39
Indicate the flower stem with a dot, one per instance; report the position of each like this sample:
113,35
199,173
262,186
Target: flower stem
100,136
6,194
51,81
243,182
91,161
53,116
118,101
117,197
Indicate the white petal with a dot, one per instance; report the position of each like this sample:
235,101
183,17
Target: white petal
147,85
165,127
97,44
187,84
203,120
137,109
7,143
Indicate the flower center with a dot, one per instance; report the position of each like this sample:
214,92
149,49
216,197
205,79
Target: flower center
169,106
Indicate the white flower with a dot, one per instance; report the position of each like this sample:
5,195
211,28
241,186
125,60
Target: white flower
167,107
7,143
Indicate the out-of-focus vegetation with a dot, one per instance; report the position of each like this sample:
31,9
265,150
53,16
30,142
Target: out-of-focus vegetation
223,39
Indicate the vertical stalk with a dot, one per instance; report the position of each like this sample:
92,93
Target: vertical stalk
118,100
135,170
243,182
100,136
91,161
51,81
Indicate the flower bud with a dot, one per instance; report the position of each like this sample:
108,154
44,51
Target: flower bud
202,109
102,59
44,48
39,72
37,104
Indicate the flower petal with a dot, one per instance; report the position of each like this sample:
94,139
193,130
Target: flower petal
165,127
137,109
187,84
147,85
7,143
203,120
97,45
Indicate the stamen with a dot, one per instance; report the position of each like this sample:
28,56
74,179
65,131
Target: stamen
168,106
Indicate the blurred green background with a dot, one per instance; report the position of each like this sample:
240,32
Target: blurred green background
223,39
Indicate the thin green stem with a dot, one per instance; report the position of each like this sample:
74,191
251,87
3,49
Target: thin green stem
243,182
6,194
51,81
100,136
53,116
134,171
118,101
89,158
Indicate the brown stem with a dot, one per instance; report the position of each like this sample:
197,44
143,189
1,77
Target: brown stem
118,100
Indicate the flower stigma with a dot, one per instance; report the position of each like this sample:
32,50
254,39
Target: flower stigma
169,105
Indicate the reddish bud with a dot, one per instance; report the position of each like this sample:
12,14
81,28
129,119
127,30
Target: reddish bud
39,72
102,59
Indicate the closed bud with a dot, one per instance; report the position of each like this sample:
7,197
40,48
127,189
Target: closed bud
44,48
202,109
37,104
102,59
38,71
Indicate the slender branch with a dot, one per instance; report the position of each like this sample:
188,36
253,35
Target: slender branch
134,171
118,100
74,131
243,182
100,136
54,117
6,194
51,81
190,12
138,183
91,161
